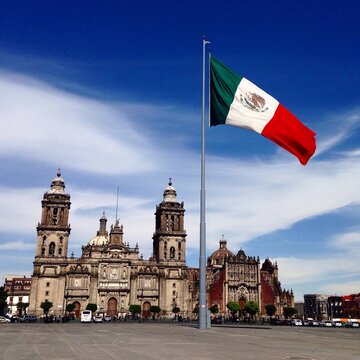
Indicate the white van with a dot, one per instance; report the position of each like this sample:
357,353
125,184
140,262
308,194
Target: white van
86,316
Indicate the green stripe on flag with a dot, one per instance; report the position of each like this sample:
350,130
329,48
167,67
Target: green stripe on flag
223,85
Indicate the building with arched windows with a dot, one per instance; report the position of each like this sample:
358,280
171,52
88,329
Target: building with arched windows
113,275
110,272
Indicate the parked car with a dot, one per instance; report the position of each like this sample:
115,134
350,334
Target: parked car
98,319
107,318
4,320
326,323
306,323
338,324
314,323
297,322
27,318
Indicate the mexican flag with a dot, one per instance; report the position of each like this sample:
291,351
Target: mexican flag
237,101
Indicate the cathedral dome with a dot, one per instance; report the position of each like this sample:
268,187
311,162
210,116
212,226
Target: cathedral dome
102,237
57,185
99,240
170,193
218,256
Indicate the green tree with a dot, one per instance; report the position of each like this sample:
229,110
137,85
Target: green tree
155,310
3,297
175,310
135,309
270,309
234,307
92,307
46,306
70,307
289,311
22,307
252,308
214,309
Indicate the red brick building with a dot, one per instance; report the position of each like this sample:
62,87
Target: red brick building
351,306
239,278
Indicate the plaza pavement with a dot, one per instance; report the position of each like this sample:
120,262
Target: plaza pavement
172,341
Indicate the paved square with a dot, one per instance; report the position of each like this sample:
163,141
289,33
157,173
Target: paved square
173,341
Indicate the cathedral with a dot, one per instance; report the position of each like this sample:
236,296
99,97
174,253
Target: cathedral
113,275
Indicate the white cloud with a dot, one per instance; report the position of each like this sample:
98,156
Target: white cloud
50,125
245,199
343,288
18,245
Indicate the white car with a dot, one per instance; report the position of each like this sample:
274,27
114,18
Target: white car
297,322
98,319
4,320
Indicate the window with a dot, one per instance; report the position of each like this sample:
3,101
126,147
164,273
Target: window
42,251
60,251
179,245
179,256
55,213
46,293
174,284
172,253
47,284
52,249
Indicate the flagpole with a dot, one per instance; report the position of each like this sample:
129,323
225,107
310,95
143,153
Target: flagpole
202,259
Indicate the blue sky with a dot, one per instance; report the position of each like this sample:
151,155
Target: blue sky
110,92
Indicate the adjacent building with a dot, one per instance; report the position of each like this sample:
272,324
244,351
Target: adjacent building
239,278
18,290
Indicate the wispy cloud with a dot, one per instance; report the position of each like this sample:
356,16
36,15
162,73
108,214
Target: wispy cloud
56,127
18,245
245,199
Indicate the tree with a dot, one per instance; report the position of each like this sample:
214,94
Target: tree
234,307
92,307
70,307
270,309
46,306
252,308
175,310
155,310
289,311
135,309
214,309
22,307
3,297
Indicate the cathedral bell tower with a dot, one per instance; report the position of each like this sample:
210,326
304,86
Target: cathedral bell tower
53,231
169,239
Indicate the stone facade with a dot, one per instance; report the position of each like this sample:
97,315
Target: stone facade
111,273
239,278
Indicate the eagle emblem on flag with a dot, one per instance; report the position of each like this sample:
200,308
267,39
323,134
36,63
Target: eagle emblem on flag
253,101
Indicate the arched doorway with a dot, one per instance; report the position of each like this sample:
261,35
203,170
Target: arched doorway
146,309
112,307
242,303
77,309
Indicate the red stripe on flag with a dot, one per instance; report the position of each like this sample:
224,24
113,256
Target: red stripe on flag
291,134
